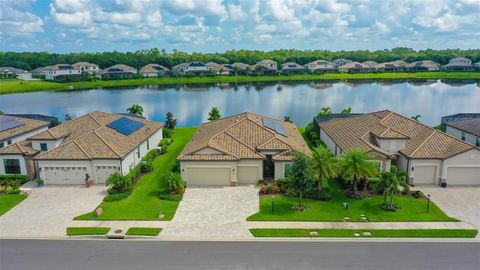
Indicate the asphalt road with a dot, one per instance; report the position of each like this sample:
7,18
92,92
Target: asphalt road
121,254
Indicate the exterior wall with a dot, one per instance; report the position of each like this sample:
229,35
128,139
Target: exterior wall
280,169
131,159
425,162
23,168
469,138
467,159
25,76
24,136
402,163
330,143
52,74
50,144
392,145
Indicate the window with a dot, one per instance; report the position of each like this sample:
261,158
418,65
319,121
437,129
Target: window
43,147
12,166
287,169
478,142
138,152
2,144
148,144
9,142
464,136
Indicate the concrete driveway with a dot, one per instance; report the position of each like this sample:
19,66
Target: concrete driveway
459,202
48,210
213,213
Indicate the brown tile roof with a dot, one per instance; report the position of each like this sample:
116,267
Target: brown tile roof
469,125
153,68
421,141
88,137
243,136
28,125
23,148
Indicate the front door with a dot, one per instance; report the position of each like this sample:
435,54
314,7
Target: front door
268,168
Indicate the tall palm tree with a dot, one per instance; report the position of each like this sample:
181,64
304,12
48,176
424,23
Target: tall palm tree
417,117
324,165
347,110
325,111
136,109
355,164
392,183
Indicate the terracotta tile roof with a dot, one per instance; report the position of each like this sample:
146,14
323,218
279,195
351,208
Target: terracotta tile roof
23,148
242,136
153,68
88,137
421,141
28,125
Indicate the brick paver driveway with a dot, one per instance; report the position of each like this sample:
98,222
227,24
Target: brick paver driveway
48,210
459,202
213,213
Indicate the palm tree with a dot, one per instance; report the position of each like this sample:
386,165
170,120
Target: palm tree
325,111
355,164
324,164
214,114
391,183
136,109
347,110
417,117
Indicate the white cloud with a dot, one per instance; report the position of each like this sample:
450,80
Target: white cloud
16,19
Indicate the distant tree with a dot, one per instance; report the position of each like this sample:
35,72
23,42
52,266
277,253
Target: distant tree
390,184
171,122
356,164
417,117
286,118
347,110
301,177
324,165
135,109
325,111
68,117
214,114
235,70
1,112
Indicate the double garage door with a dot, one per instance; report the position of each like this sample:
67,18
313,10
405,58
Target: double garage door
221,176
64,175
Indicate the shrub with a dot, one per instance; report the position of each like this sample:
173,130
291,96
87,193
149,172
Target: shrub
170,197
176,167
313,136
174,182
146,166
260,182
151,155
325,194
118,183
168,133
118,196
20,177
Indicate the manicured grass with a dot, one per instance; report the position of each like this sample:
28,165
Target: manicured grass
144,204
413,233
17,86
72,231
8,201
411,209
144,231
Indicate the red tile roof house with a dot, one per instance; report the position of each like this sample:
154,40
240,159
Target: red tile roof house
429,156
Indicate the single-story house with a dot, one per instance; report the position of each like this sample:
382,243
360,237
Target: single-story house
458,116
356,67
14,128
425,65
467,130
219,69
266,66
321,66
240,149
52,120
119,71
154,70
63,72
459,64
292,67
341,61
371,64
398,65
429,156
92,146
40,72
86,67
11,72
196,68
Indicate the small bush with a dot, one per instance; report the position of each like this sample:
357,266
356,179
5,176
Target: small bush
118,183
151,155
20,177
113,197
176,167
170,197
325,194
168,133
146,167
174,182
260,182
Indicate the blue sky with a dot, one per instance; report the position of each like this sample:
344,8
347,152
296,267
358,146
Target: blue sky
219,25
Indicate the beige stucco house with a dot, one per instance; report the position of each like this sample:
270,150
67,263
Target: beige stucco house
428,155
240,149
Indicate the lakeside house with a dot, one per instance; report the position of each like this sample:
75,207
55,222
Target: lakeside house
195,68
292,68
340,62
321,66
240,149
63,72
467,130
356,67
92,146
219,69
154,70
119,71
425,65
394,66
371,64
241,68
14,128
458,117
477,65
459,64
428,155
40,72
18,73
86,67
266,67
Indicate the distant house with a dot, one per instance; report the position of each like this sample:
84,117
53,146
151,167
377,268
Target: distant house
425,65
398,65
11,72
196,68
321,66
86,67
218,69
459,117
14,129
34,116
292,68
242,68
340,62
356,67
477,65
371,64
119,71
459,64
63,72
40,72
266,67
154,70
467,130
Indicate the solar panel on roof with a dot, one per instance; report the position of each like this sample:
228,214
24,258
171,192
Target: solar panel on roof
7,123
275,125
125,125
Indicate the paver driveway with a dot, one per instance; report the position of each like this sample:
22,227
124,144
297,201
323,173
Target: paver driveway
48,210
459,202
213,213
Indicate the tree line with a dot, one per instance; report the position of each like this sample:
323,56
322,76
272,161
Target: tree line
137,59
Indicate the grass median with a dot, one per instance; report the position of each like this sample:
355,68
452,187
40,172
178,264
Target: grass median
76,231
144,231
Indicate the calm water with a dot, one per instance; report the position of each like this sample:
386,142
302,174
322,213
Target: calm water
300,101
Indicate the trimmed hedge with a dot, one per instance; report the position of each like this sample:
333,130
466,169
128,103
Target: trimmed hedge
170,197
20,177
118,196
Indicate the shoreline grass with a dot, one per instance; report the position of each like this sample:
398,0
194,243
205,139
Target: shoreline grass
75,231
143,231
375,233
18,86
9,201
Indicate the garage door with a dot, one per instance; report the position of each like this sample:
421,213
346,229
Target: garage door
463,175
65,175
247,174
103,172
198,176
425,174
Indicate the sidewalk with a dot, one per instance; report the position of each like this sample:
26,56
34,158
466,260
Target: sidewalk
358,225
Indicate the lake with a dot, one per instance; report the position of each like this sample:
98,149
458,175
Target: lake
301,100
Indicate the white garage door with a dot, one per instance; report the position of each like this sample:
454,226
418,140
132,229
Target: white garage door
247,174
103,172
211,176
63,175
425,174
463,175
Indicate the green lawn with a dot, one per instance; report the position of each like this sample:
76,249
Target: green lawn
72,231
411,209
18,86
144,231
413,233
144,204
8,201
